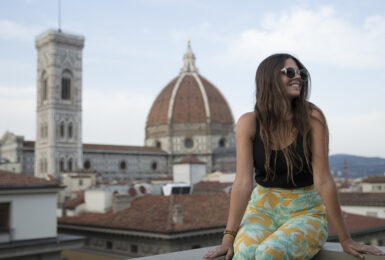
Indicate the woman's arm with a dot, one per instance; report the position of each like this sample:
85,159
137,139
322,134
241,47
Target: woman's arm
325,186
243,183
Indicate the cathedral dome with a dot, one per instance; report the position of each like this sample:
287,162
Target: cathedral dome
189,98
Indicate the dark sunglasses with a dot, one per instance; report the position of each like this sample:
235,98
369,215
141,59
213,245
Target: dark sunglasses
290,73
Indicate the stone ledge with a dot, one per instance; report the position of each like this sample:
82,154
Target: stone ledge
329,251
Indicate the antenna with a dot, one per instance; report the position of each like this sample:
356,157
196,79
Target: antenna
59,15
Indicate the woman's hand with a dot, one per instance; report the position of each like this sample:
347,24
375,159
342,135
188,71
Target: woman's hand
354,248
226,250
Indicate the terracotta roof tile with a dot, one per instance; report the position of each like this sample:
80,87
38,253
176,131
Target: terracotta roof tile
189,106
159,110
200,211
374,179
73,203
190,159
357,222
11,179
220,111
211,186
151,213
121,148
362,198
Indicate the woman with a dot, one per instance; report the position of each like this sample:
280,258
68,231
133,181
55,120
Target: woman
285,213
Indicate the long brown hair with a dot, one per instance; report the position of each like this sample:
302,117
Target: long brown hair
279,117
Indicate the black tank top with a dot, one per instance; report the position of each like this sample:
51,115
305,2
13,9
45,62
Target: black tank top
302,178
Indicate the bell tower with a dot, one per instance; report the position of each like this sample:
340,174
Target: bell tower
58,146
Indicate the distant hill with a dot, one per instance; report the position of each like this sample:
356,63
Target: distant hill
358,166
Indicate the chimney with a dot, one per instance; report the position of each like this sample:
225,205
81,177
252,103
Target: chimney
177,214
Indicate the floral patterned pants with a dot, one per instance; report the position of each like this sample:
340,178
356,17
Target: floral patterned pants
282,224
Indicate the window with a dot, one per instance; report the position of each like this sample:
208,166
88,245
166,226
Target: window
109,245
70,165
154,165
188,143
45,165
66,88
70,130
196,246
42,165
87,165
4,217
123,165
158,144
46,131
44,89
222,142
61,165
42,130
62,129
134,249
80,182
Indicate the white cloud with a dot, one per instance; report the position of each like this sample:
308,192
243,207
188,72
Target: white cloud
320,35
16,31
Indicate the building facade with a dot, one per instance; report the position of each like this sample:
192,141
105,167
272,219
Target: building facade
28,224
58,143
189,117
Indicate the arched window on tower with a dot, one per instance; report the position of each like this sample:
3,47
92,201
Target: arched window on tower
42,165
46,130
45,165
66,85
70,165
62,129
70,128
42,130
61,165
222,142
44,86
45,89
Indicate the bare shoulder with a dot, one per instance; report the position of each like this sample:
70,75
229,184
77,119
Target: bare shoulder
246,124
317,116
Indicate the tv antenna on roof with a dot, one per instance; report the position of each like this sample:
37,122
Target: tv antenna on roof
59,15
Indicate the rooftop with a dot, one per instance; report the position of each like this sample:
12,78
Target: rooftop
154,213
358,223
109,147
211,186
362,198
190,159
20,180
73,203
374,179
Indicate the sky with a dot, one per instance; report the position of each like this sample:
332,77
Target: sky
134,48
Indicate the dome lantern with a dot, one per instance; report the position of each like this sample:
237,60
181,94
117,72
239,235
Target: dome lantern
189,61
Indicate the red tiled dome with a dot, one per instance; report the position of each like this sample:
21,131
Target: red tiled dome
189,98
